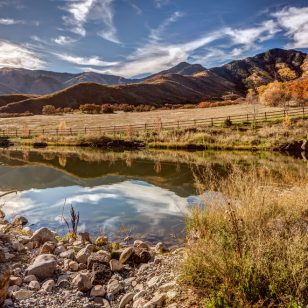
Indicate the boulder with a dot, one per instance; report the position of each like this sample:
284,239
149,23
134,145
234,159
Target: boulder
98,291
126,254
83,254
101,257
4,282
43,235
82,282
43,266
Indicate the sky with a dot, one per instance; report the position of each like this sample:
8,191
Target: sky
134,38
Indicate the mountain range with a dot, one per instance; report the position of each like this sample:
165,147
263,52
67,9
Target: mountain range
26,90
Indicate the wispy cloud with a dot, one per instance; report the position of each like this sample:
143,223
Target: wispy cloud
10,21
63,40
161,3
13,55
83,11
95,61
155,34
295,21
137,9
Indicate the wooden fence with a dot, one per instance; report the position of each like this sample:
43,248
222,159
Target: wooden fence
295,112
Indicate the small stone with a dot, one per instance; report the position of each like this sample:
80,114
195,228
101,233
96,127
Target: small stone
34,285
115,265
18,246
153,281
82,282
69,254
126,254
157,300
43,235
30,278
73,266
98,291
48,247
43,266
19,221
2,255
48,285
13,289
141,244
15,281
22,294
59,249
140,294
167,286
114,286
83,254
126,299
101,257
160,248
8,303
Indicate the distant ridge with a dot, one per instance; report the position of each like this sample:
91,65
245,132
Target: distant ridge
166,87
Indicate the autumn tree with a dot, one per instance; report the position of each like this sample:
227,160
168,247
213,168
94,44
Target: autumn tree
49,109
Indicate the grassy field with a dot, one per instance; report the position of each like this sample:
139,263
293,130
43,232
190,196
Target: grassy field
79,120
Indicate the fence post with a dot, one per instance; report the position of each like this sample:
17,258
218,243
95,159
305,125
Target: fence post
212,123
16,132
265,118
178,124
71,131
145,126
195,123
247,116
43,131
303,112
85,130
57,132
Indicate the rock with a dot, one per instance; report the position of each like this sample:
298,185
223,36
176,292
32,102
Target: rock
115,265
34,285
27,230
73,266
84,237
141,256
48,247
126,254
8,303
126,299
68,254
2,215
101,241
4,282
43,266
157,300
22,294
19,221
98,291
139,303
172,294
18,246
160,248
167,286
13,289
15,281
101,273
59,249
154,281
43,235
82,282
105,303
48,285
30,278
140,294
83,254
102,257
114,287
141,245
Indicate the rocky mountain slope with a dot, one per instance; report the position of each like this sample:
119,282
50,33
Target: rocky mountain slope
165,88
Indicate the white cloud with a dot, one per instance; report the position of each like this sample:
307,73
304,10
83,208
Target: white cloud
161,3
83,11
13,55
63,40
155,34
10,21
95,61
295,21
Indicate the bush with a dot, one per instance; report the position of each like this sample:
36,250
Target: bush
107,109
248,246
68,110
90,108
49,109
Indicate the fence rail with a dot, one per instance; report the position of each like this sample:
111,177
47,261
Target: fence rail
296,112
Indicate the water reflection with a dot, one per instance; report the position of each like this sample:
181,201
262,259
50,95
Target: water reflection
146,192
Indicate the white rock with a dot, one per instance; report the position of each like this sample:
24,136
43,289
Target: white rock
140,294
126,299
34,285
114,286
15,281
30,278
98,291
167,286
48,285
157,300
126,254
83,254
115,265
43,266
22,294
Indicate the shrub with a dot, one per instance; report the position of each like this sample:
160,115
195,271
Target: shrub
49,109
68,110
248,246
90,108
107,109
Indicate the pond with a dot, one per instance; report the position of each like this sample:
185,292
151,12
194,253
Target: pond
146,194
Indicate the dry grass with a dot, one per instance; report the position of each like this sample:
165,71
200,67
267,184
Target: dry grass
248,246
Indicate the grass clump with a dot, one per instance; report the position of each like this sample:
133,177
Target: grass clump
248,246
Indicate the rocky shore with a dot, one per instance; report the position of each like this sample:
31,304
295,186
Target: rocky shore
41,269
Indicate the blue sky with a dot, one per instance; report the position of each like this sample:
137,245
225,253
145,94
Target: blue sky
136,37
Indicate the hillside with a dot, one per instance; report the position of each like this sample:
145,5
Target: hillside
212,84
